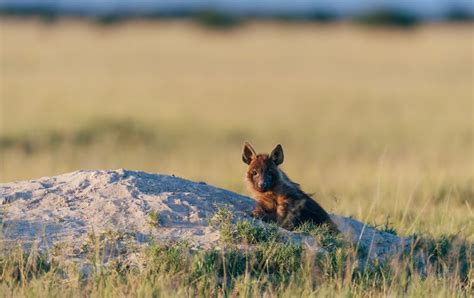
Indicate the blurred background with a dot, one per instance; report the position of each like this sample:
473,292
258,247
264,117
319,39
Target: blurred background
371,100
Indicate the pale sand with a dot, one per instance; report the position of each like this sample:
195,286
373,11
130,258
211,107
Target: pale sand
66,208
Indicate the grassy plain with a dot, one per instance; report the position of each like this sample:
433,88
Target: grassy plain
378,123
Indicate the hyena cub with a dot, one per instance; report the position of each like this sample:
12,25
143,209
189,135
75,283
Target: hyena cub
278,198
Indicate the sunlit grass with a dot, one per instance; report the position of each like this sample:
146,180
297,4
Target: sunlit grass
264,266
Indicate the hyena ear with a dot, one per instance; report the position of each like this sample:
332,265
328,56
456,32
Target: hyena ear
277,155
248,154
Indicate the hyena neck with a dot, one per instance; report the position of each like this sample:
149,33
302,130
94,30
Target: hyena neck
285,185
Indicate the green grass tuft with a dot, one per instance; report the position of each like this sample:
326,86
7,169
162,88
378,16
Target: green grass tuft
154,218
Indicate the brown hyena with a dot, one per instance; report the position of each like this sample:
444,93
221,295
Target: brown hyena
278,198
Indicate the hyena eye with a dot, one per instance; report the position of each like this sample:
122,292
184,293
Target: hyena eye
254,172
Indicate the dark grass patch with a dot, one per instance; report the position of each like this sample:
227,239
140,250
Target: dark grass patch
113,131
246,231
170,258
21,266
277,261
386,227
253,232
323,236
118,131
446,254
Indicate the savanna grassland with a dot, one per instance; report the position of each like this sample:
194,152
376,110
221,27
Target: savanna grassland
377,123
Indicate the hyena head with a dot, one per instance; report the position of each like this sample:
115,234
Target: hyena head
262,172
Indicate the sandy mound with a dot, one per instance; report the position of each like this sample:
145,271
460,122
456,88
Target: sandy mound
66,208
